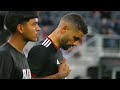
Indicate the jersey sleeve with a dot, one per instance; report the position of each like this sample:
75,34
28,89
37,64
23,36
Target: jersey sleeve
6,66
37,58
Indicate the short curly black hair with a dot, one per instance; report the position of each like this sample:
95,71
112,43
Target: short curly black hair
13,18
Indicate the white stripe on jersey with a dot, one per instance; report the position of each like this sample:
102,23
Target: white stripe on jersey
49,44
45,41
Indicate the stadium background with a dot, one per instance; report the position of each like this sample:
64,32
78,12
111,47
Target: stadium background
99,55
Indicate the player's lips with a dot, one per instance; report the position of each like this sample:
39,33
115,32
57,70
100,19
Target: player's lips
37,34
70,46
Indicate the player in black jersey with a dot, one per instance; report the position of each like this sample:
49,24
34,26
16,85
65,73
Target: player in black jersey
23,26
42,58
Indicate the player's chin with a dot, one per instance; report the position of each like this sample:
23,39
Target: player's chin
34,39
65,48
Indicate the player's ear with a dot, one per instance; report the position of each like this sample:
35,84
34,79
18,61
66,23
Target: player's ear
20,28
64,29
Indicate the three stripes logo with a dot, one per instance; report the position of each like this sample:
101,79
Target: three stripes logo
46,42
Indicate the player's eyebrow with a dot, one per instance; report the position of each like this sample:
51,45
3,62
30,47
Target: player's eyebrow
77,39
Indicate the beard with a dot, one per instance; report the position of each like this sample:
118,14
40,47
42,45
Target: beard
64,44
65,47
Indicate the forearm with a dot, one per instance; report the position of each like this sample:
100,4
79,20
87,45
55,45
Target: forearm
55,76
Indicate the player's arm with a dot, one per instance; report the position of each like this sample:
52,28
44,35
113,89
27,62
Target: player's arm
63,71
37,57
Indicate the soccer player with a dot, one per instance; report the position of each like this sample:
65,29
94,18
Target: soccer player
42,58
23,26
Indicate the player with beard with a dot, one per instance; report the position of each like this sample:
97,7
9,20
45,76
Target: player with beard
42,58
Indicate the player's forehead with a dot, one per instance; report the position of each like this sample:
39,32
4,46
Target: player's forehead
32,20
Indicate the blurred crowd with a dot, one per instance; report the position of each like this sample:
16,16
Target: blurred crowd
101,22
4,33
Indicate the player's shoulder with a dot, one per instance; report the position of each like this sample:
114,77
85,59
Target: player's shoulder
4,49
44,43
5,52
42,46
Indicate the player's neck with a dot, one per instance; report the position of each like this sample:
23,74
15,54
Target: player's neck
55,39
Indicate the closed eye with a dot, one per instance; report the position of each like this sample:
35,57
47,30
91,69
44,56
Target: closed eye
35,23
77,39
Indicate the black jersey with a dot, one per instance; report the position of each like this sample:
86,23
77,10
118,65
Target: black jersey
13,64
42,58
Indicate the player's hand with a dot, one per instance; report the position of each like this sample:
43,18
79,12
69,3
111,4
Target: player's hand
64,69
